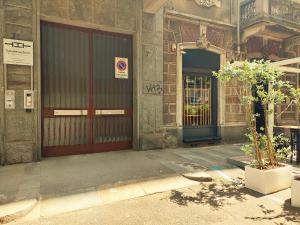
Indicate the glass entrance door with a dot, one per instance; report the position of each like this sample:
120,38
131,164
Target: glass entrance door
199,109
197,101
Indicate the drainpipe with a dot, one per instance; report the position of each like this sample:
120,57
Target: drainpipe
238,29
231,11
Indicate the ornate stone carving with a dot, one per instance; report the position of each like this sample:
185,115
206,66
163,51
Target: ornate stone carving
209,3
202,42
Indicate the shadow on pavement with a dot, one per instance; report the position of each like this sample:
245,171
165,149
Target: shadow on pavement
289,213
213,195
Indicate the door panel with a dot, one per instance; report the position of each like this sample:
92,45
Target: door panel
65,131
112,97
64,67
85,109
65,85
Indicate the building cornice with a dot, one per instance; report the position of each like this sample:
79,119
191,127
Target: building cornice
186,16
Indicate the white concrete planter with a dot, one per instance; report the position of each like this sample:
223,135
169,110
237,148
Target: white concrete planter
295,193
268,181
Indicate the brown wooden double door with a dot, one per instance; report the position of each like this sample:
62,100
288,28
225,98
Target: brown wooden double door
85,108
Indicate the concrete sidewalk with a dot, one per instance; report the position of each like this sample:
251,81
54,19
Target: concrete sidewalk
59,184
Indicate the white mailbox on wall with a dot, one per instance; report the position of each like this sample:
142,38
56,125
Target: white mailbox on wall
28,99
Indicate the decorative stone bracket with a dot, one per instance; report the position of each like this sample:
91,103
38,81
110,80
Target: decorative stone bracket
203,43
208,3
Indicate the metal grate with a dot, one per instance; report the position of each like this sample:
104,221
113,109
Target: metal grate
197,101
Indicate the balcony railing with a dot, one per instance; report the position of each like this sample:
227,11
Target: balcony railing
248,11
283,10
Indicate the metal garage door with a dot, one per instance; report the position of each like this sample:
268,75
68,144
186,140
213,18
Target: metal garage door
85,108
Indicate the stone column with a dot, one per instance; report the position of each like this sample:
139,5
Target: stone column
18,126
151,100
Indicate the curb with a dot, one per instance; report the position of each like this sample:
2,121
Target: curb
239,161
12,211
99,196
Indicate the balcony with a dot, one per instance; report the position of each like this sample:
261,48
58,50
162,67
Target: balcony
281,17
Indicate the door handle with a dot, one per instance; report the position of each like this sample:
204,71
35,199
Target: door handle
107,112
70,112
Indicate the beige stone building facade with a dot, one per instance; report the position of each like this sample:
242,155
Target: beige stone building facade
168,50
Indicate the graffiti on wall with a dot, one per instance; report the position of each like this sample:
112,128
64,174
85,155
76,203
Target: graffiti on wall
154,88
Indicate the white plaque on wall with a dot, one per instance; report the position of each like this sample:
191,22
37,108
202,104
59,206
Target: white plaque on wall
18,52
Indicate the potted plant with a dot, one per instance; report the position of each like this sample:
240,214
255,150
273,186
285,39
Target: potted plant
266,173
295,191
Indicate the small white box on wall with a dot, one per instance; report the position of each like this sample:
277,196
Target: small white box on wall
28,99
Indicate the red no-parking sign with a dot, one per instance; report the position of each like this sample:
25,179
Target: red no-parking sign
121,68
